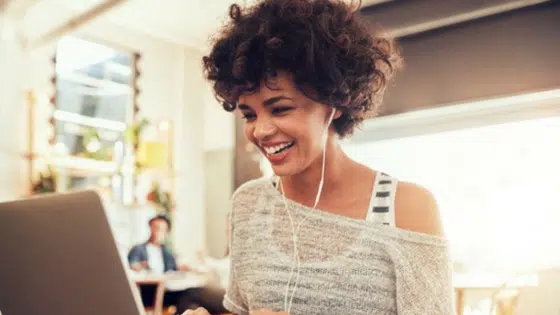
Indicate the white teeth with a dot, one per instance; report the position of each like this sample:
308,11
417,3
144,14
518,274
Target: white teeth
275,149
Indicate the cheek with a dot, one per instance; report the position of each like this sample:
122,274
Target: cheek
312,132
248,130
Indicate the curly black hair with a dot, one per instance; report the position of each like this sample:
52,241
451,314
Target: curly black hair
332,54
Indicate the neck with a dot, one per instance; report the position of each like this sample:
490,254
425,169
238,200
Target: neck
304,186
154,242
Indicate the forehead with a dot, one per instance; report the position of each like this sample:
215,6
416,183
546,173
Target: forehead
282,84
159,223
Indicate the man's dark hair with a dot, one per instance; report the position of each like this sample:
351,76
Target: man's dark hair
333,55
161,217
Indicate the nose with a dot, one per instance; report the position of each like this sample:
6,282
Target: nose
264,128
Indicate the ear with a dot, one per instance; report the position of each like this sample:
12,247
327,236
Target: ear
337,114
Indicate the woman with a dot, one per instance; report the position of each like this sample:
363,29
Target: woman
325,235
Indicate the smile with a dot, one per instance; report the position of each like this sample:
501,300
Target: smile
277,149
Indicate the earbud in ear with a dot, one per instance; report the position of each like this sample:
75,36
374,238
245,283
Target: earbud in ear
331,117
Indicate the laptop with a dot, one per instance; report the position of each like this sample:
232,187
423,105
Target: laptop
58,257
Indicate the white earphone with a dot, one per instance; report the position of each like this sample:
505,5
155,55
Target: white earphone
288,303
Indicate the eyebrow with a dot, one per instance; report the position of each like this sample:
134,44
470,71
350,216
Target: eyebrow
273,100
267,102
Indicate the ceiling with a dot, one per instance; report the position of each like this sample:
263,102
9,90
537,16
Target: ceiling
185,22
188,22
192,22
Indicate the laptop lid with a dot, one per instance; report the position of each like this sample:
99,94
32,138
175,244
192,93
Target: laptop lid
58,257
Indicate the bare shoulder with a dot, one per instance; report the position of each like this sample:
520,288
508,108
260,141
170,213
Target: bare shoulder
416,209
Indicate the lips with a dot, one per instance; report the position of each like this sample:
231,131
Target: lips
276,153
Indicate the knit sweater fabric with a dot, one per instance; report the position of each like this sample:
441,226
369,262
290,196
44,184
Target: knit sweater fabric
347,266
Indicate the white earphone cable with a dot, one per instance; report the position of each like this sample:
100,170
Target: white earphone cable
288,304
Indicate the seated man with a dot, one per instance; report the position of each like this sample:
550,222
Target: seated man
154,257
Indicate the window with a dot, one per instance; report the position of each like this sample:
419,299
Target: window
497,187
94,97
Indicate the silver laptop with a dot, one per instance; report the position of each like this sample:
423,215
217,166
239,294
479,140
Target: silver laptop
58,257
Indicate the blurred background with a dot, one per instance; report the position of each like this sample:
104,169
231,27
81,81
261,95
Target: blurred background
109,95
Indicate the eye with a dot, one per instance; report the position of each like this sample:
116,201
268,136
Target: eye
249,116
281,110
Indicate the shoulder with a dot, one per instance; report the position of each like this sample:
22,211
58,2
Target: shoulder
251,189
137,248
167,251
248,197
416,209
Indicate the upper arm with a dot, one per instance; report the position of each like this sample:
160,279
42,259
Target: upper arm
243,202
135,255
234,298
416,210
171,263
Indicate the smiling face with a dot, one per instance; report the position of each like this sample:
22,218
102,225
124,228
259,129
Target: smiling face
285,125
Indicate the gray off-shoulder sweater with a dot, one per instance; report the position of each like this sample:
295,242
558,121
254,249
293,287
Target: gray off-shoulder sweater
348,266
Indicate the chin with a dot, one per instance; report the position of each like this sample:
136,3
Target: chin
287,169
281,171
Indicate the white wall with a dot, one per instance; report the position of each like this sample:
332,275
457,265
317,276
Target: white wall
218,126
12,121
190,220
219,139
219,187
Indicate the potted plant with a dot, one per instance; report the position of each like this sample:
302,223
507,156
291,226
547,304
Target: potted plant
46,183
